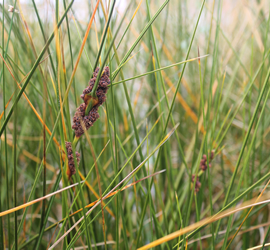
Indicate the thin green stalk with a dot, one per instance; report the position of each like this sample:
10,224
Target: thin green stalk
241,101
84,49
247,157
235,200
63,221
33,70
93,92
5,146
15,171
49,207
124,181
260,83
244,144
156,70
265,238
37,176
197,218
184,67
9,32
115,157
44,36
77,177
127,162
101,46
180,217
139,38
209,40
238,163
160,81
4,52
5,135
178,85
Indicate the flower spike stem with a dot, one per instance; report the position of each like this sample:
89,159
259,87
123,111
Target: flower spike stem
75,141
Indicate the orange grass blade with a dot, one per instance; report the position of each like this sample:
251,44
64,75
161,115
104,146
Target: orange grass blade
115,192
129,185
17,86
80,52
205,222
58,54
112,190
29,155
181,99
247,215
95,194
12,210
35,111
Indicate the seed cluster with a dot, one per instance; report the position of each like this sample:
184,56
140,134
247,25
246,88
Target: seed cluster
203,162
203,166
71,163
89,119
197,184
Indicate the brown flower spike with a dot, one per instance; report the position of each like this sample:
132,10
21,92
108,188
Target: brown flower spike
89,119
203,162
71,164
197,184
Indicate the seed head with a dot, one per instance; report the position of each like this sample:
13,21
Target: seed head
197,185
71,164
89,119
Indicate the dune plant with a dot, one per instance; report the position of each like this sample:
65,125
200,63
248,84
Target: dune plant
134,124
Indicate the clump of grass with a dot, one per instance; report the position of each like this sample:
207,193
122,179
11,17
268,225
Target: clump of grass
144,175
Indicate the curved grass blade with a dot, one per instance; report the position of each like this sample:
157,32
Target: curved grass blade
12,210
33,69
125,180
203,222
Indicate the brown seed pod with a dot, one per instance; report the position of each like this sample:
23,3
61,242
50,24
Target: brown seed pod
89,119
197,185
71,164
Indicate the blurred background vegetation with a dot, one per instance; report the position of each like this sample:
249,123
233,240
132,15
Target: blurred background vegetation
164,120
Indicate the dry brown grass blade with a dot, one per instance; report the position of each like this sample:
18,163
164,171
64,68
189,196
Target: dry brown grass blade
259,246
29,155
181,100
52,237
12,210
111,193
206,221
80,52
247,215
98,178
224,231
179,97
29,102
165,50
122,181
18,87
95,194
124,188
59,73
